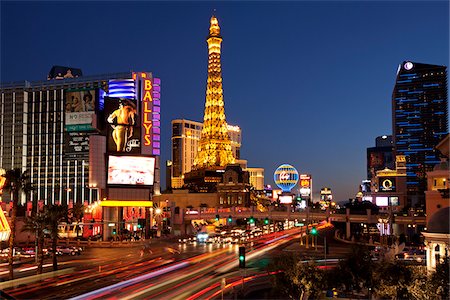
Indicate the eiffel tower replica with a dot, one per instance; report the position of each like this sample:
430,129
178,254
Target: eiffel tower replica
214,150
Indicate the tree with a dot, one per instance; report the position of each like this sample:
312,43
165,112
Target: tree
354,272
297,279
16,182
36,224
54,214
439,280
77,213
391,280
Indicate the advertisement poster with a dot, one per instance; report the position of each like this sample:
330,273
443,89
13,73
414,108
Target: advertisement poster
79,110
76,143
131,170
124,132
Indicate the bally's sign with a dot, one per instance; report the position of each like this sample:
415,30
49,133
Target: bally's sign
150,112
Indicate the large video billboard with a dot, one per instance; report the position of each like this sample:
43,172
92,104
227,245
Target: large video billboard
131,170
124,132
79,109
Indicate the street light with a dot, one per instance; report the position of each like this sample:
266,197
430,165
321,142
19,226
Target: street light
158,212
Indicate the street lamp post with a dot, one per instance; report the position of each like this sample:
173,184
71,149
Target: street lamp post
158,212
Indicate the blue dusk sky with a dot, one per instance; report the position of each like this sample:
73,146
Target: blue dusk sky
309,83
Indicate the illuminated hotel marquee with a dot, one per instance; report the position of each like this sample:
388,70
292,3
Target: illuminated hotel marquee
150,112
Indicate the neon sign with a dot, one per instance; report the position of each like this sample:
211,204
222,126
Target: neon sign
150,111
147,117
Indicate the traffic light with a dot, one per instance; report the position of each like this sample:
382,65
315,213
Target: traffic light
114,231
217,217
266,221
251,220
314,231
230,219
141,223
242,257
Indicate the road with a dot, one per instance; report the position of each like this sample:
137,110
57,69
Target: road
194,273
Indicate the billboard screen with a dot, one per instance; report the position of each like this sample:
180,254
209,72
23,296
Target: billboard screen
285,199
131,170
394,201
79,109
381,201
123,129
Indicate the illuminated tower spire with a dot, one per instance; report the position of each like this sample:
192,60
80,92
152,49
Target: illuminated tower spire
214,148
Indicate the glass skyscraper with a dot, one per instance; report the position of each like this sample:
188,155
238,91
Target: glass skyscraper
420,121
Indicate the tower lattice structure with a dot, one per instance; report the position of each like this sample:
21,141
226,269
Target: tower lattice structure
214,146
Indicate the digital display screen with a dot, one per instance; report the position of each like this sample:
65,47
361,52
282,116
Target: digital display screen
131,170
382,201
394,201
285,199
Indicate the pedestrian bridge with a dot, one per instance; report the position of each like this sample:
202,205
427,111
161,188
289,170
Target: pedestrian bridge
305,215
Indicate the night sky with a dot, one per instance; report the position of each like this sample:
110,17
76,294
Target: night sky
309,83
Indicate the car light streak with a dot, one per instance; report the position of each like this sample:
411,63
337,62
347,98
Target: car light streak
176,278
99,292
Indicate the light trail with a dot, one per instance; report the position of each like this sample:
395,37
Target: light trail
119,285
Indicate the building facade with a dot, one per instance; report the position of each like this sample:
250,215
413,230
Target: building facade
419,122
380,156
437,195
256,178
78,136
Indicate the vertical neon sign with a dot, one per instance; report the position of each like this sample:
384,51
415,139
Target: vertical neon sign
150,112
156,93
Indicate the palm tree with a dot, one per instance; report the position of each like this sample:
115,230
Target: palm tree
16,183
36,224
77,212
54,214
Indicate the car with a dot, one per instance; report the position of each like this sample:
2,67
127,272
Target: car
50,251
69,250
17,251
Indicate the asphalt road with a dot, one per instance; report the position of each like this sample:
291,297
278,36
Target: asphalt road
170,271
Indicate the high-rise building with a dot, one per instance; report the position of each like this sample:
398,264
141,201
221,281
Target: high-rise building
419,122
214,150
256,178
58,130
185,138
380,156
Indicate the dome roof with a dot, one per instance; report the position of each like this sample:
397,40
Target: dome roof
439,221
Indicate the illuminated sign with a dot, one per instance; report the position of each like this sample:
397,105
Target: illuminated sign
394,201
285,177
387,184
131,170
305,191
79,110
381,201
150,110
368,198
123,130
285,199
2,180
126,203
147,115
